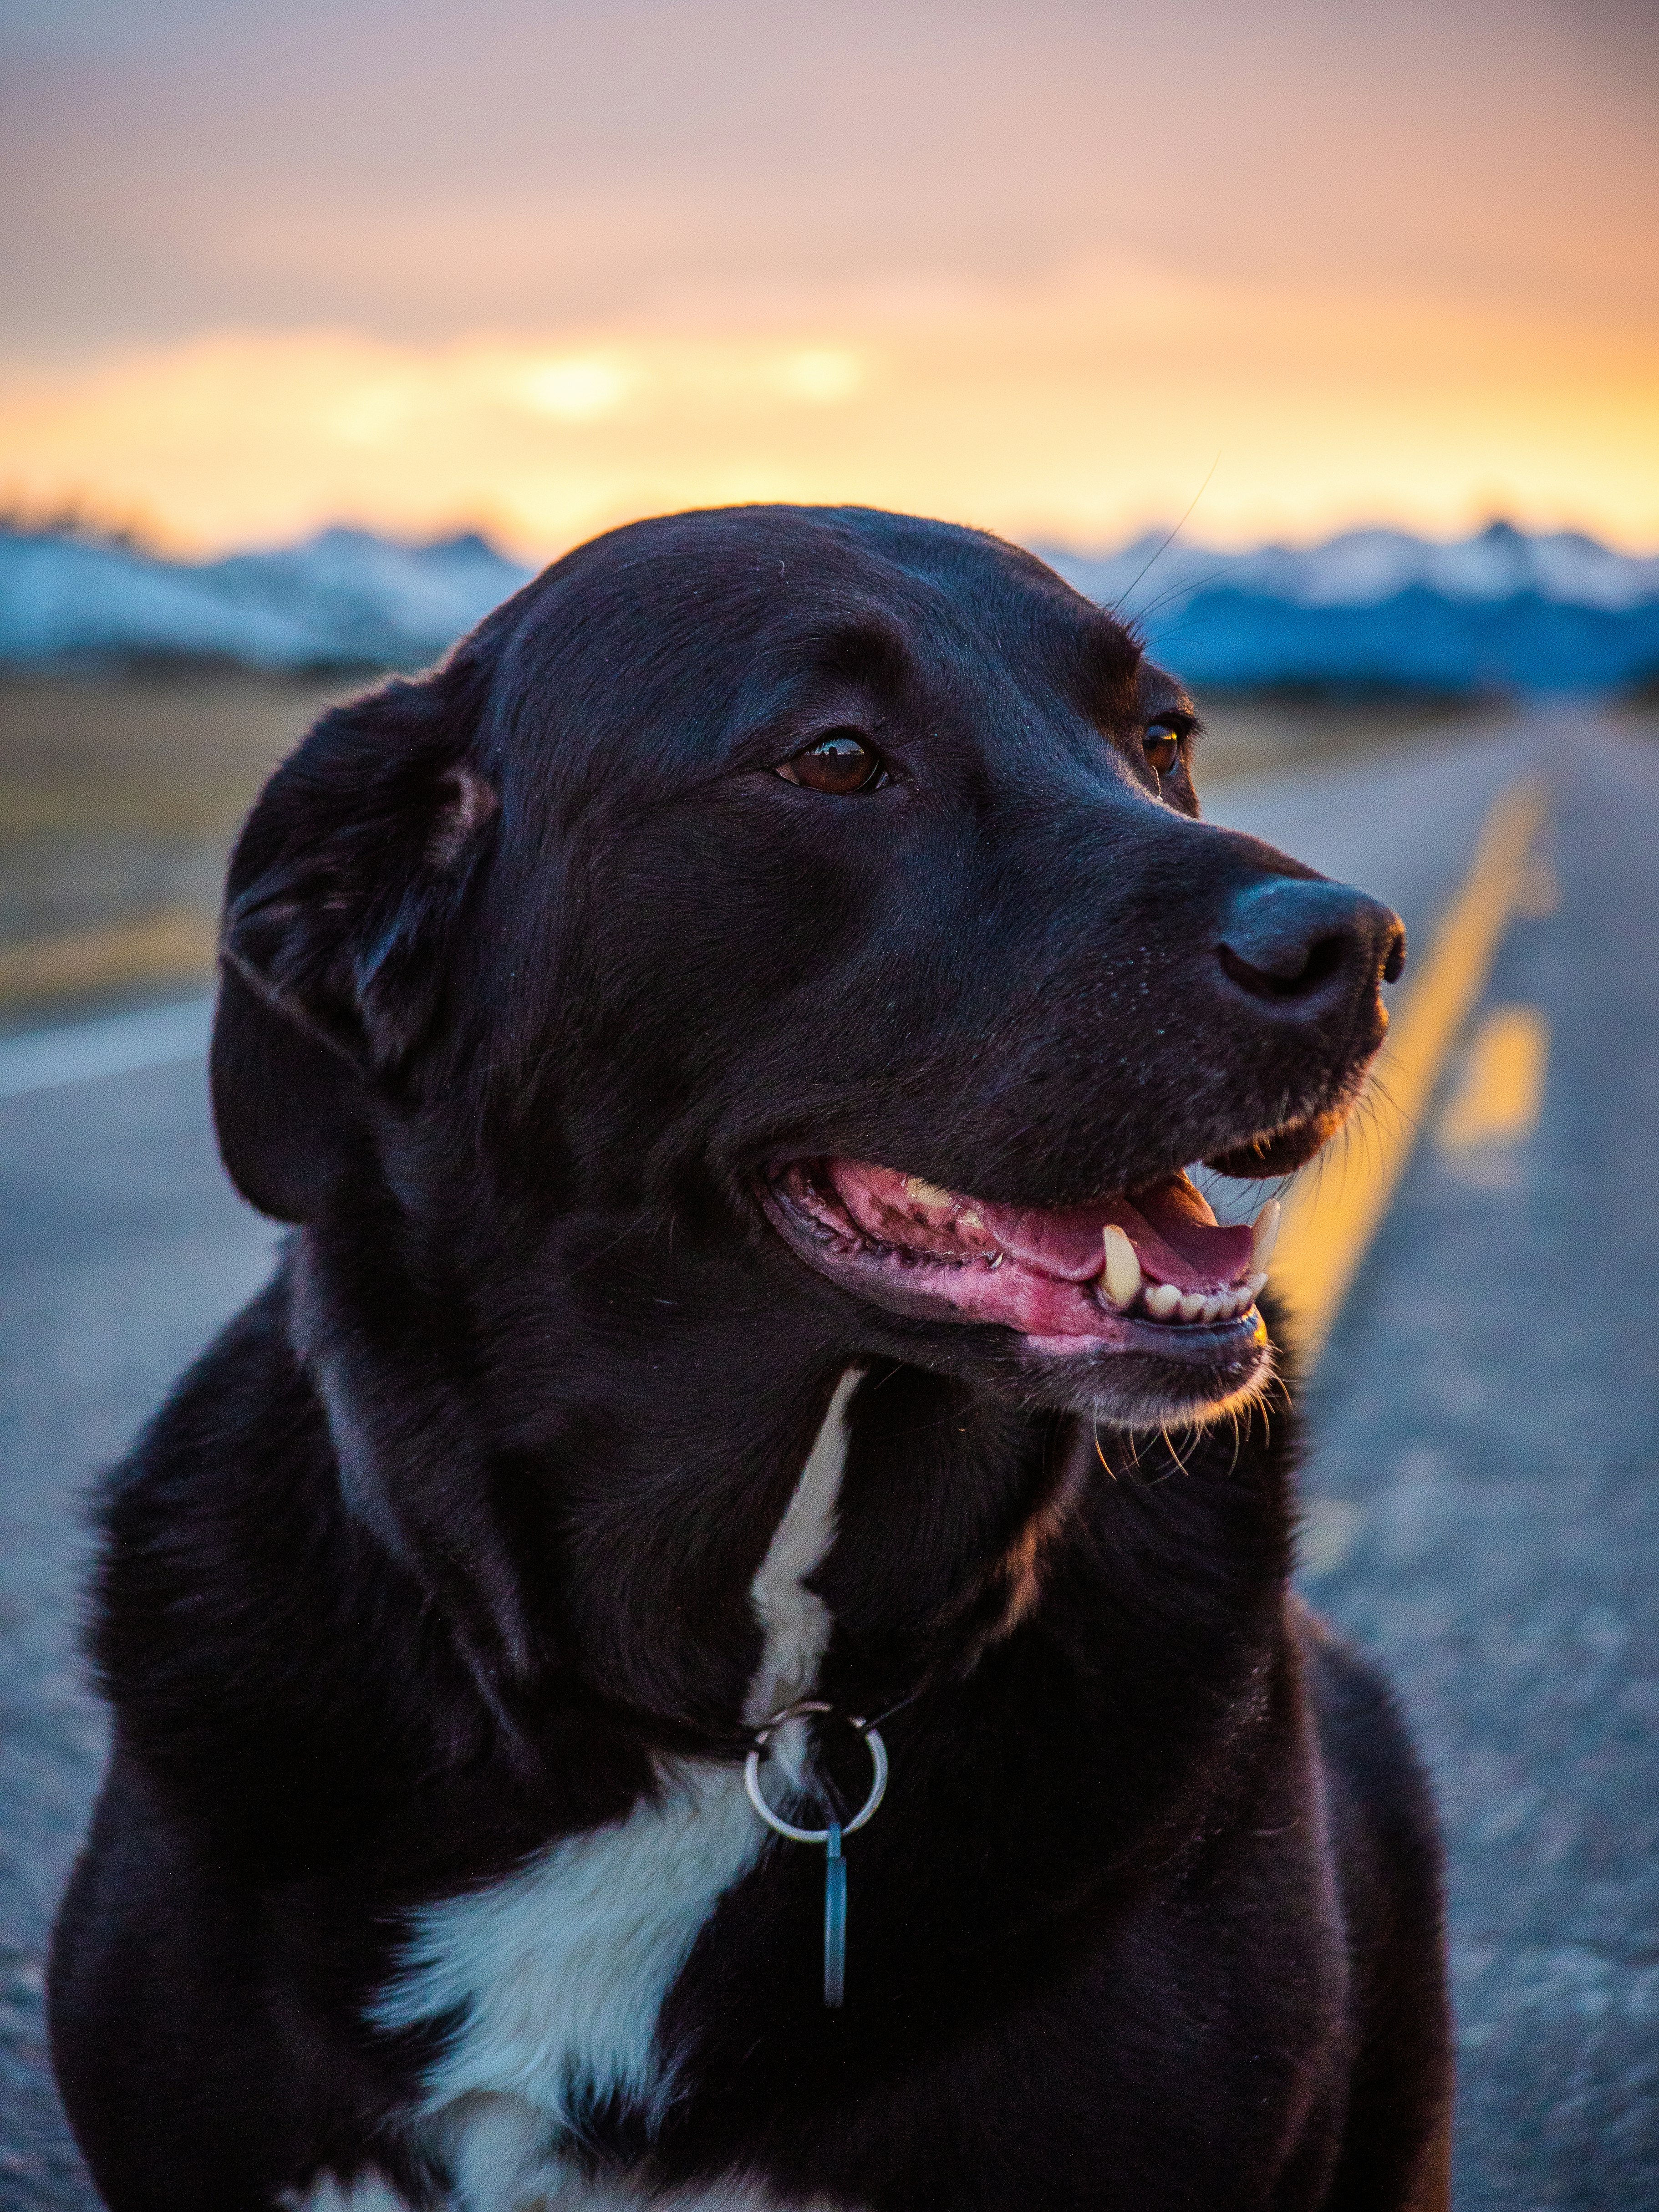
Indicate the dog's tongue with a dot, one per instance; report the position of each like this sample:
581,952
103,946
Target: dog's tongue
1177,1239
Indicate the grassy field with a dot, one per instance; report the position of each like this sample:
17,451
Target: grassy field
119,800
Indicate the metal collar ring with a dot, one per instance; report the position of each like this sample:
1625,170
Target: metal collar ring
873,1744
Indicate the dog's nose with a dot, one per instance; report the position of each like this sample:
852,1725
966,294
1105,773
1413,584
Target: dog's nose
1288,940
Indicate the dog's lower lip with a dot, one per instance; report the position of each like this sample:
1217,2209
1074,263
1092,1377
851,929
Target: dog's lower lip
910,1245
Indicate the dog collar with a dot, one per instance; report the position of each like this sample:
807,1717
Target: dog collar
835,1863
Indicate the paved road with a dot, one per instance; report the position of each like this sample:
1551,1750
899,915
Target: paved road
1484,1507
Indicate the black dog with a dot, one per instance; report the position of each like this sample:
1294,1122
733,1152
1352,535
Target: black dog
731,1038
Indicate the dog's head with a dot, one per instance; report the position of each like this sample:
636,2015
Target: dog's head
819,898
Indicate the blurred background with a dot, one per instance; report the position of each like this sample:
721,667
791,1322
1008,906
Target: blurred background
1323,342
324,324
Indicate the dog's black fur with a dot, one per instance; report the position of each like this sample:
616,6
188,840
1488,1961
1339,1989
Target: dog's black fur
534,970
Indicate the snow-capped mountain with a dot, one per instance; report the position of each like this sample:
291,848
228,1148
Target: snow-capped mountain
1367,568
1501,610
344,598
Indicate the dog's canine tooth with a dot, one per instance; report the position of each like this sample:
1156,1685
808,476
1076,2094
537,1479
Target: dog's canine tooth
1122,1276
1162,1300
1253,1286
1264,1233
928,1195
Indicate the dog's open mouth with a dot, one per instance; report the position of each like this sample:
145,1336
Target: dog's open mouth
1138,1270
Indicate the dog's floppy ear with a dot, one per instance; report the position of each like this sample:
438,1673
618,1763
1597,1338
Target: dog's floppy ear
340,895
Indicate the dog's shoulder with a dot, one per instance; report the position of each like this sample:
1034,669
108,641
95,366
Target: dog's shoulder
1367,1747
1386,1848
202,1515
268,1661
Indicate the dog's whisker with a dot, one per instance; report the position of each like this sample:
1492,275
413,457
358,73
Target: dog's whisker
1164,548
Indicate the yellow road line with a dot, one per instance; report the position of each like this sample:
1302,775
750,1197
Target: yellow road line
1333,1210
1500,1092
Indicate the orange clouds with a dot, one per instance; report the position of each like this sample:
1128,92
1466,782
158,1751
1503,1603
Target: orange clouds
544,264
1077,405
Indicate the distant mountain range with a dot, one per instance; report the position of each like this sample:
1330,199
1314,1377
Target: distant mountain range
343,600
1373,608
1377,608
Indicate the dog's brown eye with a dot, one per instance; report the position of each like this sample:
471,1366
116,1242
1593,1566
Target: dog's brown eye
840,763
1162,746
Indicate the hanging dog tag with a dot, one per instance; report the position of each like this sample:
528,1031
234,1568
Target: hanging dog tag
835,1862
834,1921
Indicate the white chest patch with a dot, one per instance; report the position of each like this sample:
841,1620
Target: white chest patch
492,2138
557,1973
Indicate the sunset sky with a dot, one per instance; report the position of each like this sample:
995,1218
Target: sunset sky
1045,267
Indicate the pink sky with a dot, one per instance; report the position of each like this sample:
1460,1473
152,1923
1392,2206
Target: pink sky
1039,266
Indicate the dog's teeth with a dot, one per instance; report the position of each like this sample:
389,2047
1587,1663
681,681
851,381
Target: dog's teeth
926,1193
1122,1276
1253,1287
1192,1304
1264,1233
1217,1308
1162,1300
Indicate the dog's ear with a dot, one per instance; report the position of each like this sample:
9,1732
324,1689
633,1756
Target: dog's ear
341,891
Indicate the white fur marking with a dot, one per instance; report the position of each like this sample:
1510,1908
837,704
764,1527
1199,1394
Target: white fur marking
561,1968
559,1971
794,1620
503,2162
366,2192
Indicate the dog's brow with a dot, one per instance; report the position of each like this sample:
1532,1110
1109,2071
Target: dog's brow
868,648
1112,656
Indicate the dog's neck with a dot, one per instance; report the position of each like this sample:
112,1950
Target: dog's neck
639,1446
588,1474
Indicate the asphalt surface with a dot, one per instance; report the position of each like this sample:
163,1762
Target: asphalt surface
1483,1510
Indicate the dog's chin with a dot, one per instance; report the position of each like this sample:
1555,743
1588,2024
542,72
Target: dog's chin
1140,1309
